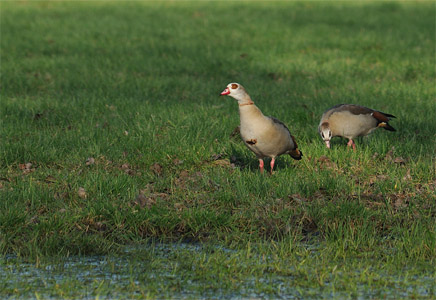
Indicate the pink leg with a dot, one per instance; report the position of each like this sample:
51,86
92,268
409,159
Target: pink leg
272,164
351,143
261,166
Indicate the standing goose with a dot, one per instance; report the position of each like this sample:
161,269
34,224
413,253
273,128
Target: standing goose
350,121
265,136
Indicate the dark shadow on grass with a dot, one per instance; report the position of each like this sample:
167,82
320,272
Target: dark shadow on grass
246,159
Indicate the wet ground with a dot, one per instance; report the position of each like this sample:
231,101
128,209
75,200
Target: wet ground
156,272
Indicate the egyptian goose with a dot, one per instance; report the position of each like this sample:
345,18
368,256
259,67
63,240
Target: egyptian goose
350,121
265,136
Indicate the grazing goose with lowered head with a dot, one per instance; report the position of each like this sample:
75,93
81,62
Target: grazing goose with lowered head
265,136
350,121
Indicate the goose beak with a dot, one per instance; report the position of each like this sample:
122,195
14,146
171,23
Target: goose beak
225,92
327,143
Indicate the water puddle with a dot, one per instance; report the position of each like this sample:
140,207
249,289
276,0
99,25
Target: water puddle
186,271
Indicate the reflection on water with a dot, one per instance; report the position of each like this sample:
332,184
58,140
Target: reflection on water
161,271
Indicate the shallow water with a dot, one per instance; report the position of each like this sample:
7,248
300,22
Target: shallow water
159,271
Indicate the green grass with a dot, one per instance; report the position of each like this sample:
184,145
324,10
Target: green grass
135,87
190,271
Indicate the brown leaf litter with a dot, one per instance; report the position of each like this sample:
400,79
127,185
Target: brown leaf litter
325,163
126,168
397,201
220,161
156,168
26,168
82,193
90,161
50,179
147,197
90,224
390,156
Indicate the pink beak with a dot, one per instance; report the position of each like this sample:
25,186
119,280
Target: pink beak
225,92
327,143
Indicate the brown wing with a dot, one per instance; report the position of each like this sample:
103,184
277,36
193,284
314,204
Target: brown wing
279,122
380,117
295,153
283,124
295,143
383,119
355,109
362,110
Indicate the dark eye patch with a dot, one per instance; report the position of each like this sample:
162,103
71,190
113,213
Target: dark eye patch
234,86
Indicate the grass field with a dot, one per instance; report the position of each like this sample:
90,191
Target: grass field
112,133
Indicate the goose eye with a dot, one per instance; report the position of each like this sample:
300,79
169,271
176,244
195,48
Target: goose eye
330,134
322,134
234,86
